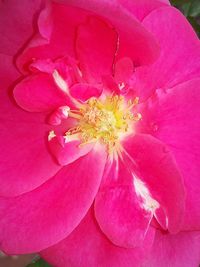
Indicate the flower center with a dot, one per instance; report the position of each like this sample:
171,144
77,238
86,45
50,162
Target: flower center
104,120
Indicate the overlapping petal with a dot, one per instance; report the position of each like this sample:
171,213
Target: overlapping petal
66,151
141,8
118,209
39,93
96,46
87,246
24,159
180,250
49,181
59,40
46,215
155,166
173,116
121,216
180,52
140,45
84,91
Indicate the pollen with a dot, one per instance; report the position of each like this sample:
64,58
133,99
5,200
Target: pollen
105,120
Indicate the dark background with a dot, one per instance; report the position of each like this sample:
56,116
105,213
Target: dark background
191,9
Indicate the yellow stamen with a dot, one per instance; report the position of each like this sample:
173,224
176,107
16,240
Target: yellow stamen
104,120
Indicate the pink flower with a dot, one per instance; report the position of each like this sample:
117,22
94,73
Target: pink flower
100,133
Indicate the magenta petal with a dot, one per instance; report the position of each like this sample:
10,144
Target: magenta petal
141,8
88,247
24,158
39,93
121,216
43,217
85,91
67,152
177,62
156,167
176,113
8,72
180,250
53,39
96,46
140,45
123,70
16,24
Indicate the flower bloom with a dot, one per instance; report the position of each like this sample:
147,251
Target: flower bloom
100,133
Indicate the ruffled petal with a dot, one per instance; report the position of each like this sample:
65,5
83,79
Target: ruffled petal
180,250
67,152
53,39
173,117
157,177
87,246
177,62
96,46
135,42
118,209
85,91
141,8
39,93
43,217
121,216
25,160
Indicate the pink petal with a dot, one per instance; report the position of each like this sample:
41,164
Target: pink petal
155,166
39,93
135,42
175,113
109,85
181,250
67,152
24,158
43,217
56,40
118,210
180,52
16,24
123,70
121,217
87,246
8,72
96,46
85,91
141,8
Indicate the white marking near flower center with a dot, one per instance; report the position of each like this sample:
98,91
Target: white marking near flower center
149,203
51,135
121,86
61,83
65,111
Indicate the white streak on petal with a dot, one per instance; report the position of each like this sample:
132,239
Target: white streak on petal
61,83
149,203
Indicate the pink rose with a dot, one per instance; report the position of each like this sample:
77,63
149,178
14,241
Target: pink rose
100,133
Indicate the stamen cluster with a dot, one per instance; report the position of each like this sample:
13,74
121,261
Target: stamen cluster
104,120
